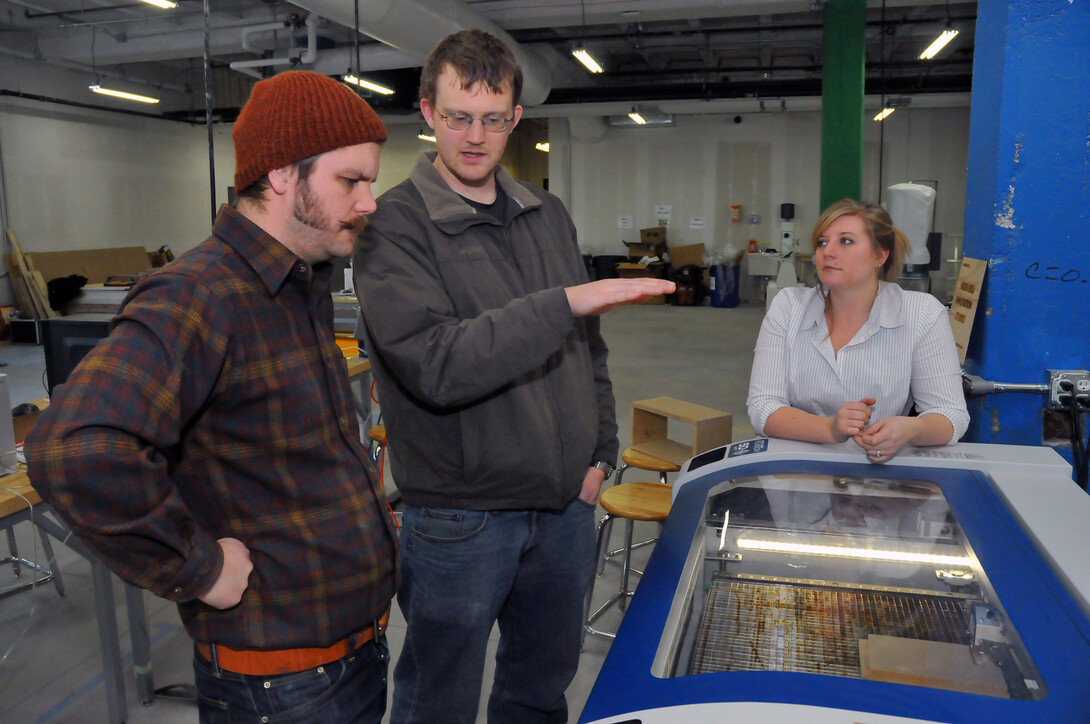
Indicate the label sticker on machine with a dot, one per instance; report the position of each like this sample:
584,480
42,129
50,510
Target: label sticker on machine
748,447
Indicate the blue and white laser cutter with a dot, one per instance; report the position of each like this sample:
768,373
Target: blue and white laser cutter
800,583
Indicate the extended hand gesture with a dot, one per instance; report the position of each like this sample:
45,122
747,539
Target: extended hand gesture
605,294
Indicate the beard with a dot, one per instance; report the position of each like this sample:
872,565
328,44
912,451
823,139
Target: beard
309,212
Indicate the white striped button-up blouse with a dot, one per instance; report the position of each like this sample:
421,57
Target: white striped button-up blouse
903,354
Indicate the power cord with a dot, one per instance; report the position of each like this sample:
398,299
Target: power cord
1078,447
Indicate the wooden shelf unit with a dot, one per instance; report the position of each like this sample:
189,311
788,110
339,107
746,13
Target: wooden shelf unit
650,422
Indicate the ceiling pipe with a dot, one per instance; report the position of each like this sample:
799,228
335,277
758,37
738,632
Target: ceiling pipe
696,106
415,26
308,56
97,72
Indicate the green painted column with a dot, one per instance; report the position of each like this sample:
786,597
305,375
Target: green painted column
843,65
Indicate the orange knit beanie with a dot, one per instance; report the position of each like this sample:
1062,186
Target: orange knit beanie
296,115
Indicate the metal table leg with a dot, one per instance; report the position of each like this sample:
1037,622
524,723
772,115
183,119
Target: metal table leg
141,643
107,637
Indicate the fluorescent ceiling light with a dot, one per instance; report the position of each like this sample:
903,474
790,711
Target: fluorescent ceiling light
939,44
121,94
884,113
165,4
542,146
368,85
845,552
425,137
585,58
637,118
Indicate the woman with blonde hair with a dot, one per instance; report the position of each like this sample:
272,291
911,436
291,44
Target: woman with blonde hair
851,357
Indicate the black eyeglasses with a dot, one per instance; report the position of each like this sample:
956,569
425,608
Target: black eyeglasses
462,121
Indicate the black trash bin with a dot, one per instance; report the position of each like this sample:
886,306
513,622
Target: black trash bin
690,285
588,262
605,266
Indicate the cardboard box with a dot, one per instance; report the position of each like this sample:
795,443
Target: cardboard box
653,235
654,270
685,255
650,422
638,250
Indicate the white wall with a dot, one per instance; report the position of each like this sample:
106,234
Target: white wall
77,178
704,164
83,179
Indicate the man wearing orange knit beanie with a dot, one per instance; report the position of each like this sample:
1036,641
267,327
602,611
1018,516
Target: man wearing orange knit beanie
208,449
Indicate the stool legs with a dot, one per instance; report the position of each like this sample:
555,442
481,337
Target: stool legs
605,526
51,560
620,598
40,572
626,565
14,551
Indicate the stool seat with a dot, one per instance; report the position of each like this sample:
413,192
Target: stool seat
378,434
637,501
636,459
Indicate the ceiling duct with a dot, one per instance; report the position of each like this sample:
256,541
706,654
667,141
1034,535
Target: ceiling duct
415,26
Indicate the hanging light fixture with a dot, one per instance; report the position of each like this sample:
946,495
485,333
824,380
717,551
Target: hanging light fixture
424,136
940,43
542,146
884,113
122,94
583,56
636,117
164,4
581,53
381,89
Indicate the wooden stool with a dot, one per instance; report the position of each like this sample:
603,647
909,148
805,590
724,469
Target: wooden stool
632,458
631,501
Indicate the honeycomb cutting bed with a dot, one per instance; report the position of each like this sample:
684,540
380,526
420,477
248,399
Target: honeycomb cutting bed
762,626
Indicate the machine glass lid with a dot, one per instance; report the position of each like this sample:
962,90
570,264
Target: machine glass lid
864,577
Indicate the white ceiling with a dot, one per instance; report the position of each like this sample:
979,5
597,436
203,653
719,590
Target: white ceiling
652,50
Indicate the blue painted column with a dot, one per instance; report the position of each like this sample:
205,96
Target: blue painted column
1028,206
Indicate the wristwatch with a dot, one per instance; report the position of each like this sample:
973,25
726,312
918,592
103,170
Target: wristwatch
604,467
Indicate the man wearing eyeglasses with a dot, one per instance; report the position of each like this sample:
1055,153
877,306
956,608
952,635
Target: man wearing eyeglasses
484,338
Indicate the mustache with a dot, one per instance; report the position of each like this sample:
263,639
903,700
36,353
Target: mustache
357,224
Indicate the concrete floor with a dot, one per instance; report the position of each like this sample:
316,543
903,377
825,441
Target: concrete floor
50,665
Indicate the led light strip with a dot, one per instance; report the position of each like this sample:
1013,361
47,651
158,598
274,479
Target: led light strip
844,552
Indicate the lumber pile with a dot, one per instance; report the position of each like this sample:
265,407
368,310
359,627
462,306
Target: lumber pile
29,285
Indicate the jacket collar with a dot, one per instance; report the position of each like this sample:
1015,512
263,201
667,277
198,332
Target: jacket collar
449,211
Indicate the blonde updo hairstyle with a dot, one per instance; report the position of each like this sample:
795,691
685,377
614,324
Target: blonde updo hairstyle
877,224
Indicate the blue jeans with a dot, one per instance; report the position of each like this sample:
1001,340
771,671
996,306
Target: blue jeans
461,571
352,689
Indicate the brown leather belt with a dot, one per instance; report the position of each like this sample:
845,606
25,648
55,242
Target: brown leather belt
254,662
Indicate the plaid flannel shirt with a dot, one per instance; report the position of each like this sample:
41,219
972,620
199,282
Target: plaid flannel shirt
220,406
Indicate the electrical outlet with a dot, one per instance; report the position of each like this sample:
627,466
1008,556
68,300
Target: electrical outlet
1067,386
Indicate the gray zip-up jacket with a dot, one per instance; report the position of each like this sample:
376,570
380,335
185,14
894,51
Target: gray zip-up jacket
493,395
